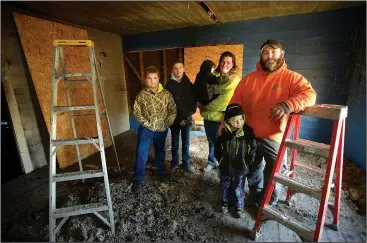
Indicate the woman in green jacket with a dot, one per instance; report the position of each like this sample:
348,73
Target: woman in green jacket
213,112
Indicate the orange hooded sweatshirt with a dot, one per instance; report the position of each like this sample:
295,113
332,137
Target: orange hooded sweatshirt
258,92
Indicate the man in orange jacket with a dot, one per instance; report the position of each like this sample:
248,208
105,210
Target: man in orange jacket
266,96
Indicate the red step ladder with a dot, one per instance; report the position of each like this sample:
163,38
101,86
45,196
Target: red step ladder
334,155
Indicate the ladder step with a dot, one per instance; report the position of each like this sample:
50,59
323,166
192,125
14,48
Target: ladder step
78,81
77,175
309,147
310,167
74,108
75,141
73,43
298,187
89,115
326,111
80,209
70,75
306,233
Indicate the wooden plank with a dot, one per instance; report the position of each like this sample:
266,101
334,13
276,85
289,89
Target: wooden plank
132,68
326,111
164,67
25,158
161,49
291,224
298,187
127,87
180,51
141,61
310,147
106,16
36,40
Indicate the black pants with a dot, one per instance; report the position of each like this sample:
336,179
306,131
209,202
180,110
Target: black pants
260,171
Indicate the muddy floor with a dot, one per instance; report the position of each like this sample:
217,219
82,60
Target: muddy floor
185,208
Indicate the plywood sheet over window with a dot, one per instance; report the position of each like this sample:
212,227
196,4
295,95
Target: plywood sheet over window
194,56
36,37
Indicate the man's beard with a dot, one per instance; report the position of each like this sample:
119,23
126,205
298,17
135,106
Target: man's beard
270,67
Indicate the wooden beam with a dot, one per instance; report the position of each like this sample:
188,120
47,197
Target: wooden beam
141,64
171,48
25,158
127,88
164,67
133,68
180,54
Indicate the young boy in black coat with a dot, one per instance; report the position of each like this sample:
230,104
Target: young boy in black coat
235,151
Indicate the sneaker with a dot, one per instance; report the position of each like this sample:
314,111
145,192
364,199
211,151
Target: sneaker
137,187
190,169
224,209
240,213
208,168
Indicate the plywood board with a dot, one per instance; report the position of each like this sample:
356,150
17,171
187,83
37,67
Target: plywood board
194,56
36,37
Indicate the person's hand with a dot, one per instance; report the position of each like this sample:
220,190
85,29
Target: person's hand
276,113
221,126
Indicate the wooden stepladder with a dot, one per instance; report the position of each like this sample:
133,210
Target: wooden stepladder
334,155
70,79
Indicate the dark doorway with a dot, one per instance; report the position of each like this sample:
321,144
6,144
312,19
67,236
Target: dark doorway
10,161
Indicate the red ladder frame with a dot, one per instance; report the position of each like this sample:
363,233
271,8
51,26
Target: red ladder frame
334,161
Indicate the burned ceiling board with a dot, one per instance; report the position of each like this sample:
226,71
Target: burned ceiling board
128,18
36,36
237,11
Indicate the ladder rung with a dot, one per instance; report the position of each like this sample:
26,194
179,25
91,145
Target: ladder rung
77,175
75,141
326,111
89,115
306,233
69,75
74,108
80,209
309,147
73,43
298,187
78,81
310,167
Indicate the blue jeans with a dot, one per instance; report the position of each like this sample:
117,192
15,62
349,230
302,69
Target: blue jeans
145,136
185,138
211,130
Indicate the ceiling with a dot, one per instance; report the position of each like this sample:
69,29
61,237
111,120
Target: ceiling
128,18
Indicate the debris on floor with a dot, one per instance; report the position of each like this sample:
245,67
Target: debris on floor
185,208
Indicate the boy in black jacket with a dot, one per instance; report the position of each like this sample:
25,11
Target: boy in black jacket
183,93
235,151
205,82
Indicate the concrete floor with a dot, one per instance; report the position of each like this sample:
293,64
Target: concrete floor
25,203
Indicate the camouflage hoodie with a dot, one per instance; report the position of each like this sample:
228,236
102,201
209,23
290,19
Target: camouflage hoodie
155,111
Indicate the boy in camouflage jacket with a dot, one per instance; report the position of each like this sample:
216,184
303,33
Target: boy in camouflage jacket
155,110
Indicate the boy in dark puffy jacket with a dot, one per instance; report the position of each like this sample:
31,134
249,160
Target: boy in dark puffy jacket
235,151
206,81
